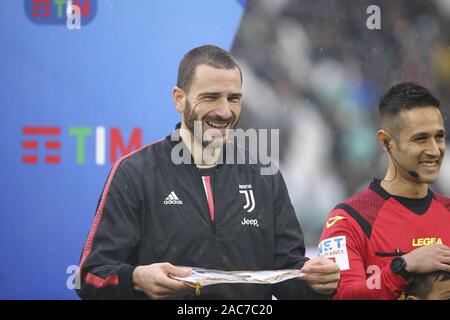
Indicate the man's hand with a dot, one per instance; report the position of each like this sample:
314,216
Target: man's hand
434,257
155,282
322,275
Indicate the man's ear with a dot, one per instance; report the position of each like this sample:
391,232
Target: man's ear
178,97
384,139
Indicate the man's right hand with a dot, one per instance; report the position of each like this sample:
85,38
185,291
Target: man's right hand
155,282
433,257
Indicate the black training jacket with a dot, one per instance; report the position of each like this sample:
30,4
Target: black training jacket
152,210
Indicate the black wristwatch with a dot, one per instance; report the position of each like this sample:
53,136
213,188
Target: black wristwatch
398,266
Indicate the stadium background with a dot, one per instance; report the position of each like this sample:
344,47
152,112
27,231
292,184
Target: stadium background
311,69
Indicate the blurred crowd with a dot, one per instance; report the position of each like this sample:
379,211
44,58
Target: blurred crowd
315,71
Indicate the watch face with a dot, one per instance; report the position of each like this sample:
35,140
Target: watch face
397,264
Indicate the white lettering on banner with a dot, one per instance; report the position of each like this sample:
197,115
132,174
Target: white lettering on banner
100,134
335,249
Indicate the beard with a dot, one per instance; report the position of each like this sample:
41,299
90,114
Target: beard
190,119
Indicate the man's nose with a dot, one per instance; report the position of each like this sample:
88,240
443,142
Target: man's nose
434,148
223,109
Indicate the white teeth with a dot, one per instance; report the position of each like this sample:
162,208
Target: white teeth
428,163
217,124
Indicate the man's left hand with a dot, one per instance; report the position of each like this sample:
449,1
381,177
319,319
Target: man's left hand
321,274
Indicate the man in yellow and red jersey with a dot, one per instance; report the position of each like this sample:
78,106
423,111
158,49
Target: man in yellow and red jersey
397,227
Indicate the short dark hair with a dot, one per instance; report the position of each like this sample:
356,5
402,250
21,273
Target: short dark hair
405,96
422,284
208,54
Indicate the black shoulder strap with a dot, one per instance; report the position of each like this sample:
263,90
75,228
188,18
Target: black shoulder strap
363,223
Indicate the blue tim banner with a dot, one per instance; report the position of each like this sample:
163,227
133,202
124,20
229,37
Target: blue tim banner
73,102
55,11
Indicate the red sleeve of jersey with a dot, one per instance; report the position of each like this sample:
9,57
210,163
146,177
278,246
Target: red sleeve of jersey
359,280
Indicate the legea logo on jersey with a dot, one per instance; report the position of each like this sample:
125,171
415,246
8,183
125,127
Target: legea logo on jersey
43,144
57,12
335,249
420,242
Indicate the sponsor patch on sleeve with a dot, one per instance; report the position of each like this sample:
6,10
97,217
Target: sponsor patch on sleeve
331,221
335,249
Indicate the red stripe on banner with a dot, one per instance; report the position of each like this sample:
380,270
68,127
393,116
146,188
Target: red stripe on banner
99,282
53,145
41,131
30,159
30,144
52,159
99,214
209,195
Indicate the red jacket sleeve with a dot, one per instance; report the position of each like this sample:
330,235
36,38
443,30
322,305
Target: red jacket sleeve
344,241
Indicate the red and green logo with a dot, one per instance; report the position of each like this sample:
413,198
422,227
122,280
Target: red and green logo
43,144
56,12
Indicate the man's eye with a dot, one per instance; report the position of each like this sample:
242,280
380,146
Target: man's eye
234,99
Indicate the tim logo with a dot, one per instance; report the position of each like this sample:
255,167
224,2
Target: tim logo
51,143
246,190
43,144
55,12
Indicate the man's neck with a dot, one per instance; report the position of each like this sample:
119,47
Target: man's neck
403,187
201,159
